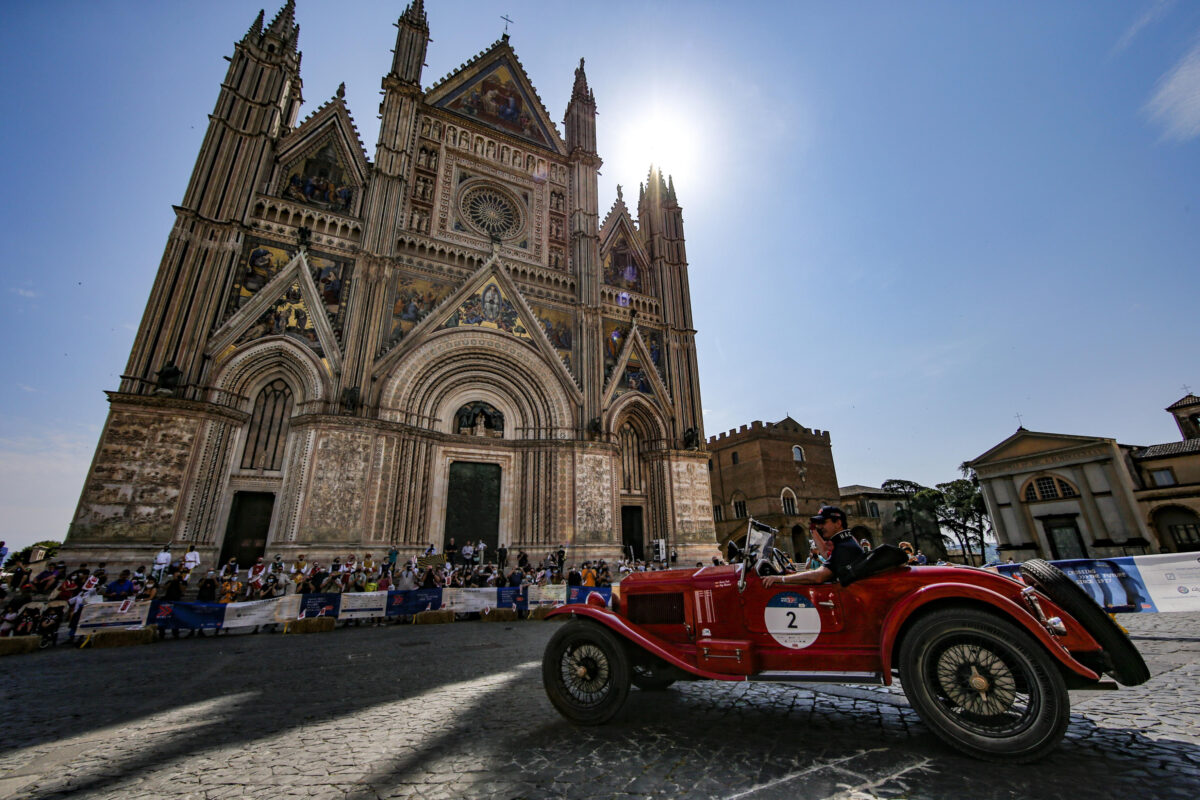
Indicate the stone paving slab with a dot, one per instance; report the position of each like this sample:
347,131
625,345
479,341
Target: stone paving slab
459,712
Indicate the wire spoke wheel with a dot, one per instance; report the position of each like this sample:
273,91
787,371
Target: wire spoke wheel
585,671
984,685
975,683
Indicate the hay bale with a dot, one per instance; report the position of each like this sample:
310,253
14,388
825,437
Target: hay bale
13,645
312,625
541,612
500,615
122,637
439,617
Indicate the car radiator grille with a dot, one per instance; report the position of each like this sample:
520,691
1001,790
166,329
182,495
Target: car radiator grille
655,609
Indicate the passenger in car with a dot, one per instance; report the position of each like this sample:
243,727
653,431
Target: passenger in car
828,527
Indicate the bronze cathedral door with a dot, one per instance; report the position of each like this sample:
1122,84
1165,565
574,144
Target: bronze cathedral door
249,521
473,505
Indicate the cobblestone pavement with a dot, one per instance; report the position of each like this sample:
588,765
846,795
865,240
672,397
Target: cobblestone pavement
458,711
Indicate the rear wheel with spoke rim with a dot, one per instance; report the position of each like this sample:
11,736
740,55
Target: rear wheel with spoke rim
983,685
586,673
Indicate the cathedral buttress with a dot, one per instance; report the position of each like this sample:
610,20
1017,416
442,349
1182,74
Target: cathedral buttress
258,102
390,178
660,220
584,223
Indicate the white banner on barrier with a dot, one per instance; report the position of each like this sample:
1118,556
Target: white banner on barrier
361,605
1173,580
261,612
547,595
113,615
466,600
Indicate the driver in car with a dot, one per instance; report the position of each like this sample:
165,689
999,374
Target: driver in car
840,549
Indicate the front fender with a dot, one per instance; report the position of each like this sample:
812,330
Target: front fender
909,604
643,640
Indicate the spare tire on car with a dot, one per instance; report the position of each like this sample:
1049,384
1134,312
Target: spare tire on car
1125,663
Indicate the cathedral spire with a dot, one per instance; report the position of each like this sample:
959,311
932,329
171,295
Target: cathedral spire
581,114
255,27
284,25
415,14
581,91
412,39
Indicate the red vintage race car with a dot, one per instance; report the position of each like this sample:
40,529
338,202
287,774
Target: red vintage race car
984,659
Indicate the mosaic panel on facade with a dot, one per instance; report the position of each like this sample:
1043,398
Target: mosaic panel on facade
263,259
495,99
488,308
412,300
321,179
635,377
621,269
559,327
287,316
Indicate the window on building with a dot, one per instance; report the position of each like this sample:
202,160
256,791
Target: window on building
797,453
631,459
734,457
789,503
739,509
1186,536
718,513
1048,487
710,465
266,434
1162,477
873,509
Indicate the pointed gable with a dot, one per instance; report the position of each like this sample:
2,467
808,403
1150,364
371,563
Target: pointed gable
293,304
494,90
624,263
322,163
634,371
1026,443
489,299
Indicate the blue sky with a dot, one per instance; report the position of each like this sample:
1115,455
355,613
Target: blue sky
906,222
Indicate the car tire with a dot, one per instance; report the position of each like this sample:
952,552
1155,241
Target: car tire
984,685
586,674
1127,664
647,678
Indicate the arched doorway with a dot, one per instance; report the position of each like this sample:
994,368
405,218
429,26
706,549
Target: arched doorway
633,492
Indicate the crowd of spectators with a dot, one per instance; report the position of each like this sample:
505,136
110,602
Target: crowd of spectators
39,603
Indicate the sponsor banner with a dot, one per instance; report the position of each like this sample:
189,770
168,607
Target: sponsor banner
413,601
113,615
1114,583
1134,584
546,595
193,615
464,601
319,605
579,594
260,612
1172,580
362,605
512,597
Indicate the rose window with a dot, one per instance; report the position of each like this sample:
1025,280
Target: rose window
491,212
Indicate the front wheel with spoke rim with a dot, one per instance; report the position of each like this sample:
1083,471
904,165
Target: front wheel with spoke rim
984,685
586,672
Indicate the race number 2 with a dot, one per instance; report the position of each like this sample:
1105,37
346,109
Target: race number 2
792,620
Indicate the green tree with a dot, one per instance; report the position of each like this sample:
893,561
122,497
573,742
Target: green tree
919,513
23,555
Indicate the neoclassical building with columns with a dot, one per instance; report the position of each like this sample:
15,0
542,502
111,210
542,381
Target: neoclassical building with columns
342,354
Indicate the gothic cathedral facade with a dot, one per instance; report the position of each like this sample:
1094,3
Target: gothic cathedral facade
346,355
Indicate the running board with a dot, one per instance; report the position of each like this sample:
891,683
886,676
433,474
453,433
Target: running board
874,678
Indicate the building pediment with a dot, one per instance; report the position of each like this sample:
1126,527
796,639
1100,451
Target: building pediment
493,90
1030,444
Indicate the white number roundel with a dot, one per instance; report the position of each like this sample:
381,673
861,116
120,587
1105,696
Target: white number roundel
792,620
